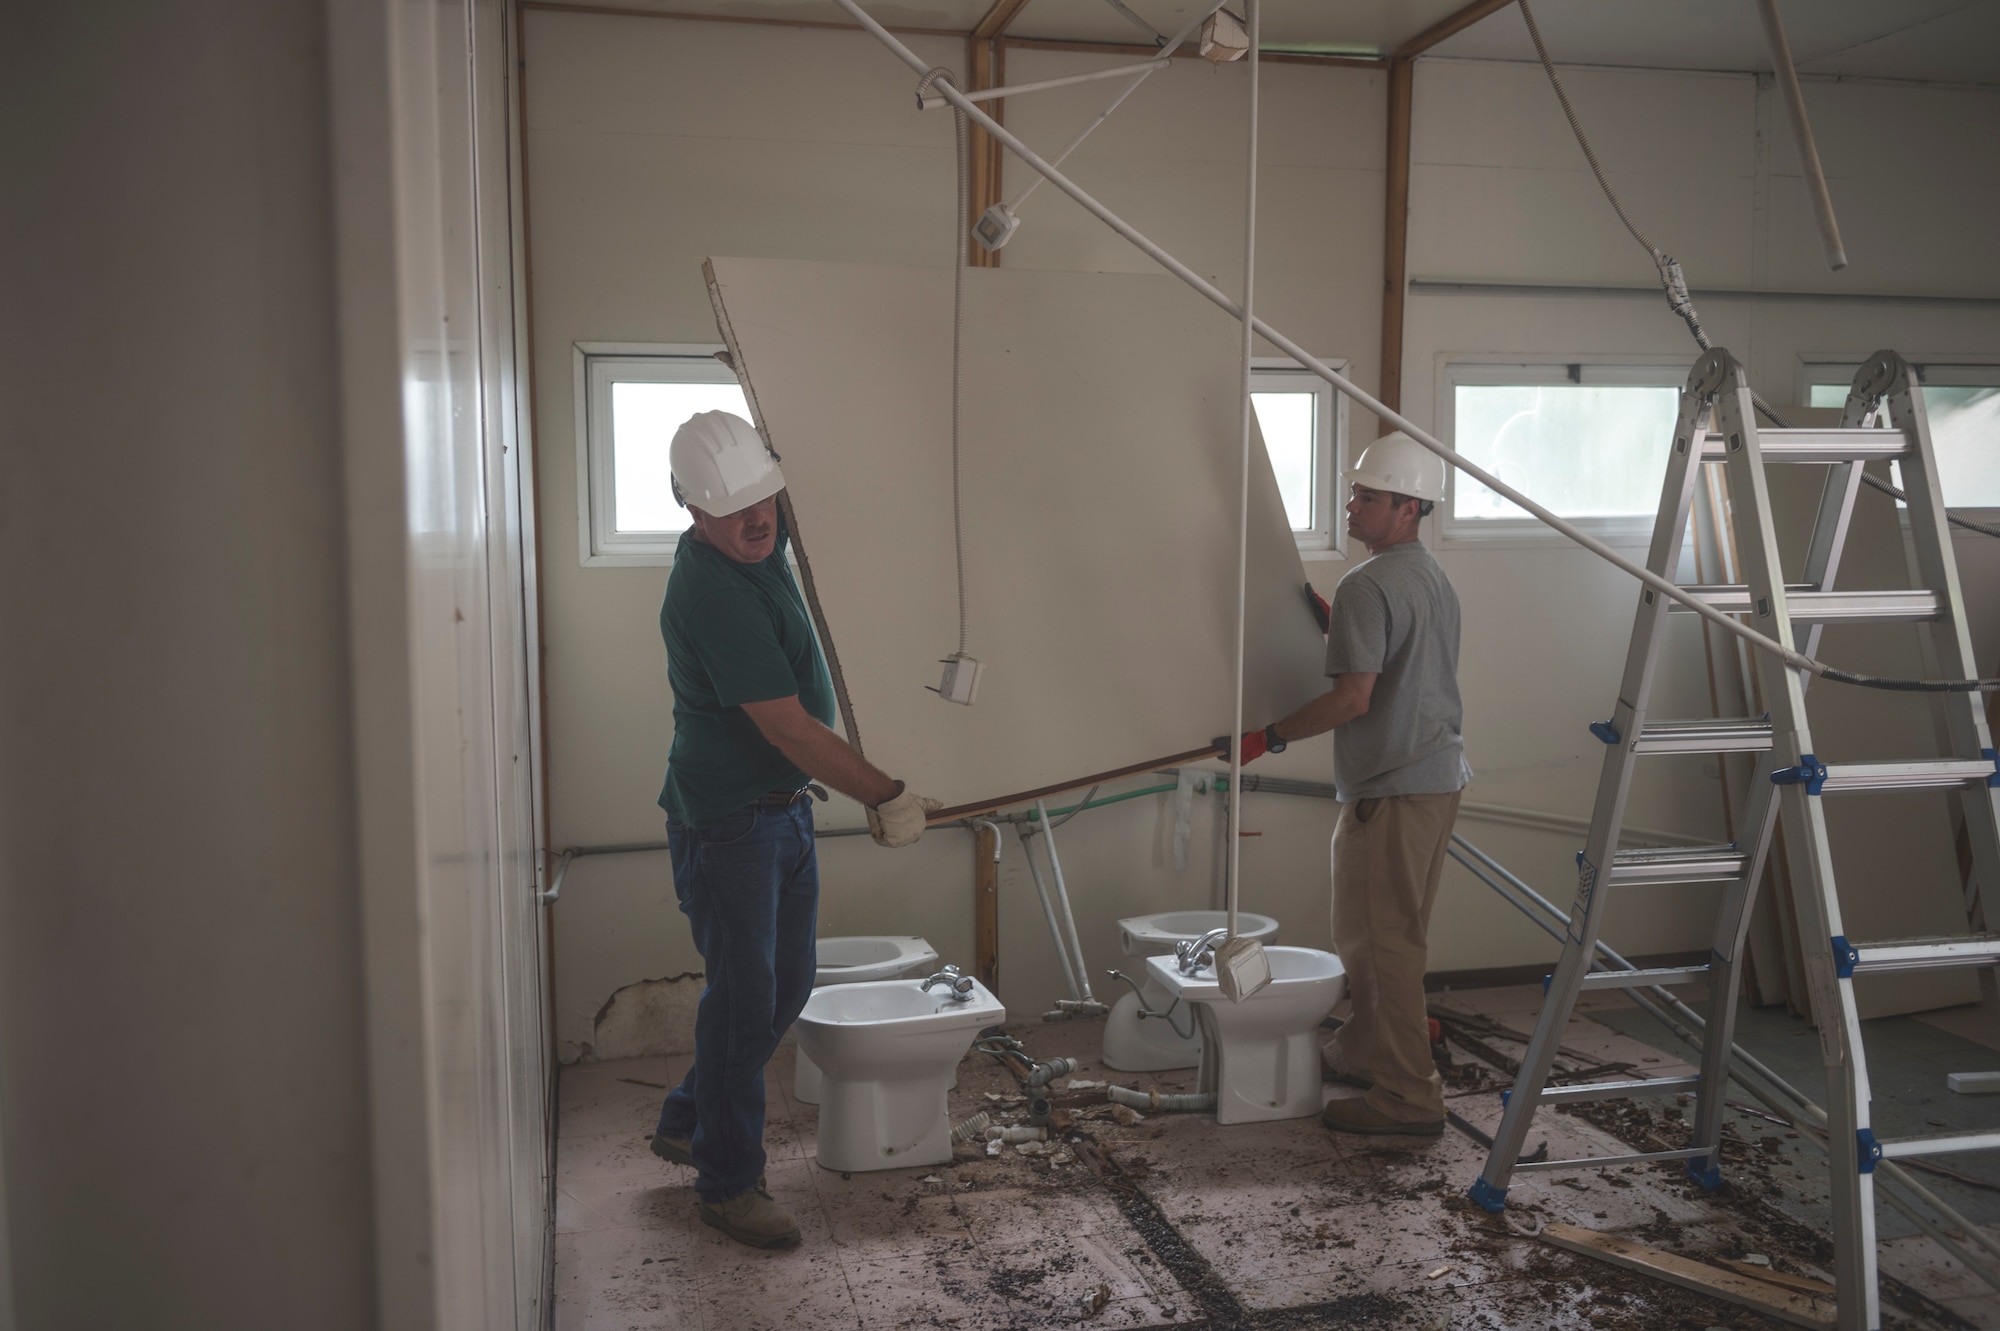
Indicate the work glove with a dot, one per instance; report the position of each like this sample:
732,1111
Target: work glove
1254,744
1321,608
899,820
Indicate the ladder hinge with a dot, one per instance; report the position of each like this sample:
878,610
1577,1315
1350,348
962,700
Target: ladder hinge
1992,756
1810,773
1869,1150
1845,957
1605,731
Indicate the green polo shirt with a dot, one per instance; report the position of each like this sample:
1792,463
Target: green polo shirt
735,633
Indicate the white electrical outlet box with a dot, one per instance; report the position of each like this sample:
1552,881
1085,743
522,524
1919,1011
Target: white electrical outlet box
995,226
961,679
1241,968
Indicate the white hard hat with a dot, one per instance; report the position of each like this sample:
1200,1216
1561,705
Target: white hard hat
1401,465
721,465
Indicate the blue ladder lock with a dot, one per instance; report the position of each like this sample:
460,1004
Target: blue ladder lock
1546,981
1846,957
1870,1150
1993,757
1810,773
1710,1179
1489,1197
1604,731
1505,1096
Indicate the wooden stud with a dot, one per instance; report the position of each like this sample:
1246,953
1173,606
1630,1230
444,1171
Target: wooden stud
958,811
1395,235
1793,1306
986,905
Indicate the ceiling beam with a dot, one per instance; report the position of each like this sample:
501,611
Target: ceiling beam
1449,26
1396,189
997,18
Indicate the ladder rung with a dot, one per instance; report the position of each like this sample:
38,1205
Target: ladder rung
1941,1143
1728,736
1894,606
1822,445
1644,979
1606,1161
1616,1090
1917,954
1676,864
1926,774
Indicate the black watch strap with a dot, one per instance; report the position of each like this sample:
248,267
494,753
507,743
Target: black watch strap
1272,744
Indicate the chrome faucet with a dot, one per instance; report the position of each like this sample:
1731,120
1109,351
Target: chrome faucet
959,987
1191,957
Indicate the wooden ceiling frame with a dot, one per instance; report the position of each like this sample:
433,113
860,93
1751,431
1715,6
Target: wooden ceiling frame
1396,190
986,58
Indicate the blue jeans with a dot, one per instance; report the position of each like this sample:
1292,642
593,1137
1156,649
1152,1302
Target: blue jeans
749,886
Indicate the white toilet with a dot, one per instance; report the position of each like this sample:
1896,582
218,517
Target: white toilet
857,960
1152,1044
887,1053
1260,1057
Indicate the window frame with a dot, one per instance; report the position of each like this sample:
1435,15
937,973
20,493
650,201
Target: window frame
1961,371
1327,537
596,366
1506,369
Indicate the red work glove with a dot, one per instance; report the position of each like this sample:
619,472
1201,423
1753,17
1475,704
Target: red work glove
1254,744
1321,608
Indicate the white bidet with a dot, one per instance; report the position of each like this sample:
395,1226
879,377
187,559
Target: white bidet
1260,1057
1133,1043
887,1052
857,960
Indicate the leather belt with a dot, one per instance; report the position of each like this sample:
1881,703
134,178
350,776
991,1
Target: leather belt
784,799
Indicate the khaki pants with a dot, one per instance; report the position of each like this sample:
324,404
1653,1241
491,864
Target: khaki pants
1388,855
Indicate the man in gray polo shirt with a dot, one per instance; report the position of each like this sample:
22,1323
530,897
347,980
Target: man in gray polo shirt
1399,767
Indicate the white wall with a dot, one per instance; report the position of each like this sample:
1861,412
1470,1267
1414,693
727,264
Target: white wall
656,142
270,1050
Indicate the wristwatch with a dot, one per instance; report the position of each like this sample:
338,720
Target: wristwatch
1272,744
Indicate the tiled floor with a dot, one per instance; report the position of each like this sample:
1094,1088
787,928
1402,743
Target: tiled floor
1180,1223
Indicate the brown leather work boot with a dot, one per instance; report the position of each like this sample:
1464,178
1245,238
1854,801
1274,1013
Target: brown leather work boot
753,1218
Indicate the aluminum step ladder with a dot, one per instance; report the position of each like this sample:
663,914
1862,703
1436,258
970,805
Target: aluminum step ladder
1798,785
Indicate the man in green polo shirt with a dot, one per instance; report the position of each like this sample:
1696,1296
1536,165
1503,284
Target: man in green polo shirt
753,707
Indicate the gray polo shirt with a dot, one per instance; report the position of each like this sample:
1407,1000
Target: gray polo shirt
1396,616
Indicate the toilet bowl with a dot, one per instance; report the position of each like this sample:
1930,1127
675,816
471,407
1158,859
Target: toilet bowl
887,1052
1152,1044
1260,1057
857,960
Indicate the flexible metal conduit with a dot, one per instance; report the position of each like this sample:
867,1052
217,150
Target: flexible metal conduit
1158,1101
1744,1069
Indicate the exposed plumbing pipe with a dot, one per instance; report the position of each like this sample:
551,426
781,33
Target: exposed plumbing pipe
1017,1134
1157,1101
1048,911
1795,104
1664,586
1044,1073
973,1127
1081,982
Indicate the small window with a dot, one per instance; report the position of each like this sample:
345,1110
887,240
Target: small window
630,401
1303,424
1963,403
1589,441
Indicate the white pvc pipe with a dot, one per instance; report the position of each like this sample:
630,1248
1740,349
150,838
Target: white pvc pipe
1049,911
1016,89
1332,376
1795,104
1233,884
1075,945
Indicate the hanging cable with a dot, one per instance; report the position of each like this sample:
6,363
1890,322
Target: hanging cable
1233,882
960,223
1672,280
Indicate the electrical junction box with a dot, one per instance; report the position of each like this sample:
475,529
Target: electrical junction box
961,679
995,226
